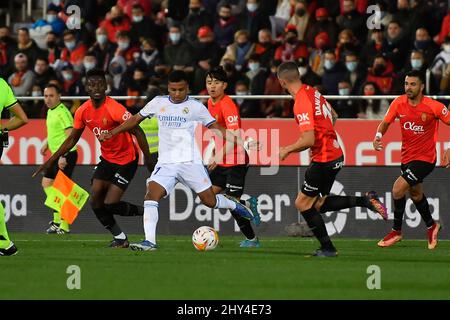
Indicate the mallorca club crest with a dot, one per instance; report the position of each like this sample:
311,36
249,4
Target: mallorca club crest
424,117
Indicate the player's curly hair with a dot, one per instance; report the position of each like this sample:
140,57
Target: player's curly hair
95,73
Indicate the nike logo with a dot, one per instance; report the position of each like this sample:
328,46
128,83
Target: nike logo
120,181
88,121
401,115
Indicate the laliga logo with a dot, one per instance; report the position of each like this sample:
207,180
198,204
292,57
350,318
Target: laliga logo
97,131
412,126
338,224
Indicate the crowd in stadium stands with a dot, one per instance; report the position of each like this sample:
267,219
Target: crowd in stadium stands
138,44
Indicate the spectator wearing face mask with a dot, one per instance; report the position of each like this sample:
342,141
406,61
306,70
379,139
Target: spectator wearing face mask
74,51
71,81
325,24
442,59
257,75
115,21
300,19
53,51
149,57
372,109
247,108
197,18
128,5
142,26
89,62
347,108
225,26
253,19
43,73
351,19
376,46
307,76
381,73
178,53
125,48
207,56
240,50
416,62
356,72
424,43
291,49
265,47
137,87
397,45
271,108
334,72
51,23
316,59
103,49
117,69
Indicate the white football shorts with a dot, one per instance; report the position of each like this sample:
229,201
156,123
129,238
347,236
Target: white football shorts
192,175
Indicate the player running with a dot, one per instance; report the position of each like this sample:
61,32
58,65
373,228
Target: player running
59,126
419,120
119,159
314,116
9,102
230,171
179,159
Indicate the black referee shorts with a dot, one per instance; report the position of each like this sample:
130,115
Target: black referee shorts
320,176
415,171
71,159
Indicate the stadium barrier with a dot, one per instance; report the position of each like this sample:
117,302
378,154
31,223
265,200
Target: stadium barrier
181,213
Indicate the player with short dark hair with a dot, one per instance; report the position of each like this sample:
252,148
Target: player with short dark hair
59,125
228,173
119,159
315,120
179,159
419,120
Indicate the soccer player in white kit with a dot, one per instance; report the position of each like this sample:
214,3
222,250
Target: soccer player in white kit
179,159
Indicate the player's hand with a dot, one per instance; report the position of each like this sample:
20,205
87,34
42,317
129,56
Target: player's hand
62,163
250,144
44,149
446,159
377,144
104,136
283,153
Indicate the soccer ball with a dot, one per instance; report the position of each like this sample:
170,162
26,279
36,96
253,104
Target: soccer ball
205,238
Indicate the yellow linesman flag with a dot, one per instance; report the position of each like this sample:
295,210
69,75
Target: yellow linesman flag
66,197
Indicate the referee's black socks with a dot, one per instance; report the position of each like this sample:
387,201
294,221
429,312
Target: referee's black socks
317,225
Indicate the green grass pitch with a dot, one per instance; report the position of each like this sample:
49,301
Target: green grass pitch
280,269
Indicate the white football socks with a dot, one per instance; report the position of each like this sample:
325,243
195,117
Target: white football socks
223,202
150,220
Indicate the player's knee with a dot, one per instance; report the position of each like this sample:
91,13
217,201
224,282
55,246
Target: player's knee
398,192
302,204
416,196
210,202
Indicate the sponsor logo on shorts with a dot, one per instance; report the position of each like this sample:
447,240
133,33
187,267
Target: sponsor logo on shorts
411,175
309,188
121,179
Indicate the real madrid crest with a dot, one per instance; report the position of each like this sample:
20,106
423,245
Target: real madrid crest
424,116
186,110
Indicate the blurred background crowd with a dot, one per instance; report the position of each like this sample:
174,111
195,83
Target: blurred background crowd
340,49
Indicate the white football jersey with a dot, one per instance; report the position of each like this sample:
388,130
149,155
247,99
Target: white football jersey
176,128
